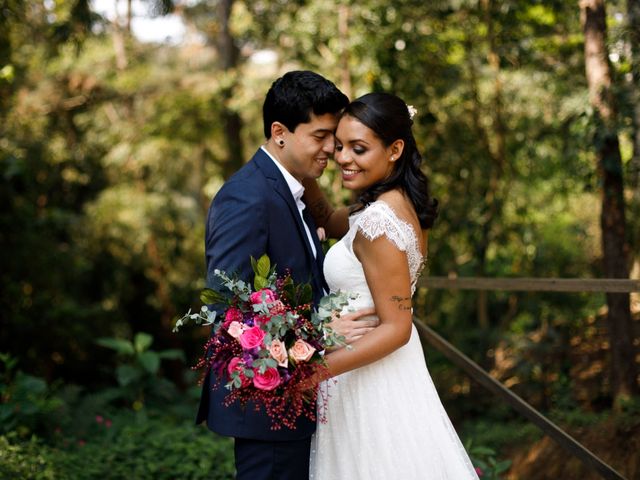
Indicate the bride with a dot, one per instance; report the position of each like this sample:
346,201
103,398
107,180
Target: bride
384,417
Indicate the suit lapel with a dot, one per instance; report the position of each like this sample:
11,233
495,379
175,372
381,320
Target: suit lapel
282,189
319,260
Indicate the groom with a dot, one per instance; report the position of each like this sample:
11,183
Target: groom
260,210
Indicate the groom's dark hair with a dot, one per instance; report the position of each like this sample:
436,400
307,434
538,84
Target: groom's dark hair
296,94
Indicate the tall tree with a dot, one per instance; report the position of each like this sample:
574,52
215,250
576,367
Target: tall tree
633,14
228,56
633,27
612,219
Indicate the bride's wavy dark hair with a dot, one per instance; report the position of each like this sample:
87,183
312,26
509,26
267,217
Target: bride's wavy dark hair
388,116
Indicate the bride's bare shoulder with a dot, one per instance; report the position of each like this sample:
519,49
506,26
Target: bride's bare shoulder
400,204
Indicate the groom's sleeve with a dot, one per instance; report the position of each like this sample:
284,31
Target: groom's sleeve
237,229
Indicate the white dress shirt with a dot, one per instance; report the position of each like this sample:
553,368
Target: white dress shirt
297,190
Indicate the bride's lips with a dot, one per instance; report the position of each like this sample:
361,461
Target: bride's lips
348,174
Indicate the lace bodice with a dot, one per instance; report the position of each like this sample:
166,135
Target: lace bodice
342,269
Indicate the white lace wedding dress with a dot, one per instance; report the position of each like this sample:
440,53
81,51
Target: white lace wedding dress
385,420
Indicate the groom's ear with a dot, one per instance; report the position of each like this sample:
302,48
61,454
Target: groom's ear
278,132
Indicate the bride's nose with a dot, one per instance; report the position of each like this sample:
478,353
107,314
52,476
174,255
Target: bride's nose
340,156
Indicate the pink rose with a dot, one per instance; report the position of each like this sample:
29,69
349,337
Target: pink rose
279,353
252,338
479,471
268,380
236,364
261,319
301,351
257,297
232,315
236,329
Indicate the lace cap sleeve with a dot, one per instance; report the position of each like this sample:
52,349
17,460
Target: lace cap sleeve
378,219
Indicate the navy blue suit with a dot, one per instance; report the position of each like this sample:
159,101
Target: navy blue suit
254,213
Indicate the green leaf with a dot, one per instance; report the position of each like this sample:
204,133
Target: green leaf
306,294
142,341
210,296
172,354
30,384
263,266
150,362
121,346
260,282
126,374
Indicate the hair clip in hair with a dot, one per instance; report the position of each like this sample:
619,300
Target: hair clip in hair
412,111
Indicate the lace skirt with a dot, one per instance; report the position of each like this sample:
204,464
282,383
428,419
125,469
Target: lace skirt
384,421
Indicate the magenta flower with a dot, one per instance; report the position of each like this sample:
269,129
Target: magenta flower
268,294
252,338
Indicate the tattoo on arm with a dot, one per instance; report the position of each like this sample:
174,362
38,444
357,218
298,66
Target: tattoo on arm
400,301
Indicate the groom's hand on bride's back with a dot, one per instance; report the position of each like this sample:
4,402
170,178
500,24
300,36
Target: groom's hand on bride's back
354,325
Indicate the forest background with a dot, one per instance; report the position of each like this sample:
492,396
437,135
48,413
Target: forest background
111,150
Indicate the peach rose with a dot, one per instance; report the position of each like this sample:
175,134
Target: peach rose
235,329
252,338
268,380
301,351
279,353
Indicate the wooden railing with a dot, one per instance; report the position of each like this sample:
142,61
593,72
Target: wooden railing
533,284
481,376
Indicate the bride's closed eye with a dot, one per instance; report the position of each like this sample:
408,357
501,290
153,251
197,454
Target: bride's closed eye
358,150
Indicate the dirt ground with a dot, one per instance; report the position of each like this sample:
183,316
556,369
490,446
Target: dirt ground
617,445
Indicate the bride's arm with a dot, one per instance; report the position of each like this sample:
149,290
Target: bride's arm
387,274
334,221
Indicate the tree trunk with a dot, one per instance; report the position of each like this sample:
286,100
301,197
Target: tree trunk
612,219
493,141
232,123
129,16
633,14
118,41
343,35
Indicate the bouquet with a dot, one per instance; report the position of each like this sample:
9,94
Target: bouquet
268,344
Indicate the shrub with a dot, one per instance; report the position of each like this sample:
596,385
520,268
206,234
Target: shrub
136,446
23,460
